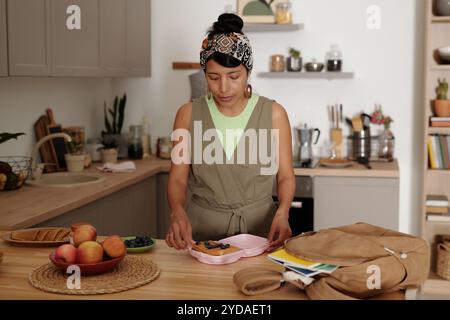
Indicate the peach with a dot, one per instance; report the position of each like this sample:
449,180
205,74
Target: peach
66,253
114,246
84,233
89,252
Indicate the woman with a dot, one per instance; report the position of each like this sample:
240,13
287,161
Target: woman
229,199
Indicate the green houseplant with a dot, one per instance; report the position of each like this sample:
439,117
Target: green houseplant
75,156
442,104
109,151
113,119
294,61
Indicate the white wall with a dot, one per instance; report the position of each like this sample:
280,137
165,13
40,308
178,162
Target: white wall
75,102
387,63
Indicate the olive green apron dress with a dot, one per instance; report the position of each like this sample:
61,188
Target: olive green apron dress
229,199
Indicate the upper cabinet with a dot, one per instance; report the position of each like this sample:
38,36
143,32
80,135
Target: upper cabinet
28,37
94,38
3,44
125,38
75,38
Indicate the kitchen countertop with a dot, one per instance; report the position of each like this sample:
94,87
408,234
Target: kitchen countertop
181,277
356,170
32,205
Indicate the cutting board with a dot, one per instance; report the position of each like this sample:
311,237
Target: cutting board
59,144
46,150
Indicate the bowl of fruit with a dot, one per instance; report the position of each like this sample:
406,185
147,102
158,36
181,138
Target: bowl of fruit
14,170
91,256
138,244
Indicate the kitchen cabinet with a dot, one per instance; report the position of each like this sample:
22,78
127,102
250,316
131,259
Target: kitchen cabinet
125,38
29,37
3,40
92,38
130,211
75,38
346,200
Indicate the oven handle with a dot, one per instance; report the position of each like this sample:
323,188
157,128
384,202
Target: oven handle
294,204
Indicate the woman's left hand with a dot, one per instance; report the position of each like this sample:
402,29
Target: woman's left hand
279,230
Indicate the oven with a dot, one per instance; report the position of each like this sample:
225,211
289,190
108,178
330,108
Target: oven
301,212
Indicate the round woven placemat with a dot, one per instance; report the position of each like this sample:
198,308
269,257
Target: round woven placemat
131,272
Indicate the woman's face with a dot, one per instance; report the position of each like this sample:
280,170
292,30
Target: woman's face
227,85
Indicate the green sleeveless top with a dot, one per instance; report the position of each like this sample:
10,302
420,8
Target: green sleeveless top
228,199
222,123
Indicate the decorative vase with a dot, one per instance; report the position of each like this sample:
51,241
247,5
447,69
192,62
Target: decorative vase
386,144
75,162
443,7
294,64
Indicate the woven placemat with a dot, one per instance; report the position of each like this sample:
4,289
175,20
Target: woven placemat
131,272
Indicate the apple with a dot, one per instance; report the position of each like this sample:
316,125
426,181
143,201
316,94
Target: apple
89,252
75,226
66,253
83,233
114,246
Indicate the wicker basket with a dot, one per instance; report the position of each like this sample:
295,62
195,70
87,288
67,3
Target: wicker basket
14,170
443,260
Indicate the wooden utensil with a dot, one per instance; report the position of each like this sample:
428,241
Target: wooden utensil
46,150
59,144
357,123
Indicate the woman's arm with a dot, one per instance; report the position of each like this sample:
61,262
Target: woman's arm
280,229
179,234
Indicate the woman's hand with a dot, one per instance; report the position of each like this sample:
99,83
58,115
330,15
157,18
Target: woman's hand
279,230
179,235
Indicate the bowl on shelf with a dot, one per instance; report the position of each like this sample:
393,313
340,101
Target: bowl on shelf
87,269
444,54
14,170
314,66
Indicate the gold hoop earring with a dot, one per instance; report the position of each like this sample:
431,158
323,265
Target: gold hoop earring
248,91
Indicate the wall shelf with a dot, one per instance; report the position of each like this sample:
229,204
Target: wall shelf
442,67
306,75
272,27
436,19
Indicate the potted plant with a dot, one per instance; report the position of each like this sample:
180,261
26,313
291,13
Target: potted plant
294,61
113,127
75,156
442,104
109,151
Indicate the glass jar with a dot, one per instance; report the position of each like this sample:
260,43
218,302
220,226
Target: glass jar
278,63
164,148
334,59
135,150
283,13
386,145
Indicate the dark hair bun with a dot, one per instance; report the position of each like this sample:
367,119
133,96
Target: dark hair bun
228,22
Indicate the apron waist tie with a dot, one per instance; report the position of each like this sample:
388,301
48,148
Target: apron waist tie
238,220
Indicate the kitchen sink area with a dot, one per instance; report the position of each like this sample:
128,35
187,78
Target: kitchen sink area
66,180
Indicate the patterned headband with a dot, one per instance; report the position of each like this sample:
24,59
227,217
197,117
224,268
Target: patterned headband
234,44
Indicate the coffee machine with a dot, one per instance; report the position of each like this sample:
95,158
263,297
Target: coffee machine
305,142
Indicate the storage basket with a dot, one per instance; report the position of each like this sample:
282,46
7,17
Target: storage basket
443,260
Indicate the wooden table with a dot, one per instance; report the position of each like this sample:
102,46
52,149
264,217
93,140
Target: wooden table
182,277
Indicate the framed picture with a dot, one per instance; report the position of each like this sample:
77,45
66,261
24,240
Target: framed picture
257,11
